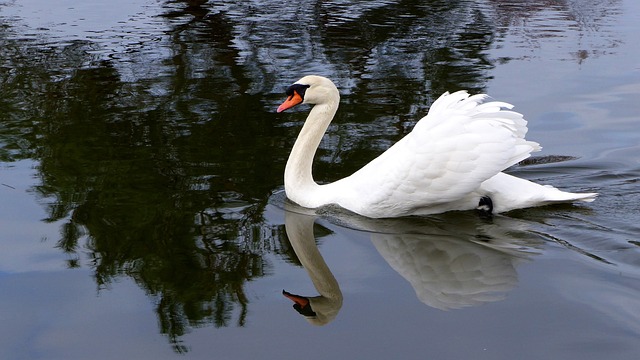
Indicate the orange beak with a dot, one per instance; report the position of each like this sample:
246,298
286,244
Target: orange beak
300,300
291,101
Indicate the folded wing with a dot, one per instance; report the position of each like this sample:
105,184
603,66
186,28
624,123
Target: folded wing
462,142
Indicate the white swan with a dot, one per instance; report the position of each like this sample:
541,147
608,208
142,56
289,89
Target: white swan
452,160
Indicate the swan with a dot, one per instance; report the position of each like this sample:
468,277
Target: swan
452,160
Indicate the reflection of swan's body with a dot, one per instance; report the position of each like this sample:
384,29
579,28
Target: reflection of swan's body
452,160
450,261
318,310
448,273
453,268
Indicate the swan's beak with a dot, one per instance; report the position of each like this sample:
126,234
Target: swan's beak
302,304
300,300
291,101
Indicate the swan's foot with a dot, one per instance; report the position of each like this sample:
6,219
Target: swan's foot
485,205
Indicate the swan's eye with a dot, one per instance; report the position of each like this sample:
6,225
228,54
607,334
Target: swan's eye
297,88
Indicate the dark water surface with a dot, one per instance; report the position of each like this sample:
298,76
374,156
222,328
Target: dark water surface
141,161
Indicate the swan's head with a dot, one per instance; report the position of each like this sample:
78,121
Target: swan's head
310,89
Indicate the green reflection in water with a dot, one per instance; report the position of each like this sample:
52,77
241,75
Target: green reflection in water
145,184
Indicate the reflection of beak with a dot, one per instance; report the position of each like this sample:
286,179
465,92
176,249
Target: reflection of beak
291,101
301,304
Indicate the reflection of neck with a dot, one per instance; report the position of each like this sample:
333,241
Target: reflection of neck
298,178
300,232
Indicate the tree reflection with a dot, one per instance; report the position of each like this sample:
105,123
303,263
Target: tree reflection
159,161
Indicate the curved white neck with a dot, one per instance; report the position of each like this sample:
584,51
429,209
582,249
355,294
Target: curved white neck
298,178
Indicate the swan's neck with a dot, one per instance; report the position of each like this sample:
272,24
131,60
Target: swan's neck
298,178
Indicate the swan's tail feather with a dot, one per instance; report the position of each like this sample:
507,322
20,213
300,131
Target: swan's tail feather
509,193
558,196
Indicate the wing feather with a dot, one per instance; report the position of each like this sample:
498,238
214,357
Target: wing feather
459,144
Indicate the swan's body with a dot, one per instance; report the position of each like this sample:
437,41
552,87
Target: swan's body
453,158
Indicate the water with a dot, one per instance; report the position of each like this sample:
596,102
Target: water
141,162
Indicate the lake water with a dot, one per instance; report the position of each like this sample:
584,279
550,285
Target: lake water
142,213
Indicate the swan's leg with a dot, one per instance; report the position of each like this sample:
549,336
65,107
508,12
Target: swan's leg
485,205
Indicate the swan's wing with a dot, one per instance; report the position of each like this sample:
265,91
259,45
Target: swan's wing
487,136
462,142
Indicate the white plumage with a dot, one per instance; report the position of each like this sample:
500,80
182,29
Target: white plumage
452,158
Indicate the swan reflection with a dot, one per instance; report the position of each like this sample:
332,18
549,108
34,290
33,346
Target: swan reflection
448,272
322,309
451,261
